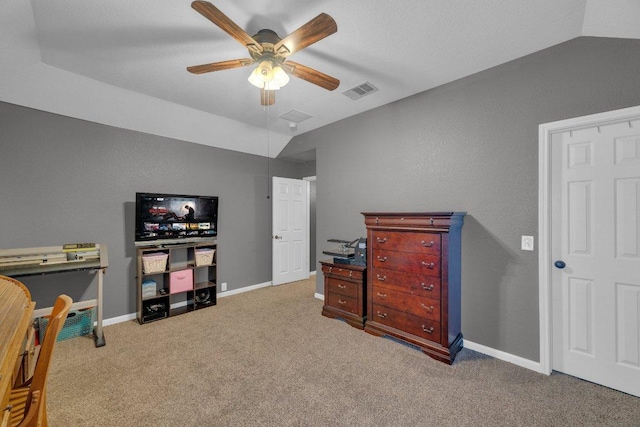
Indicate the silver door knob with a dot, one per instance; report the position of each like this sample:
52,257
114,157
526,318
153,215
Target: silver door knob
560,264
277,237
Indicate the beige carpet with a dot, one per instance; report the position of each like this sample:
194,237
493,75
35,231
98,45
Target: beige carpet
268,358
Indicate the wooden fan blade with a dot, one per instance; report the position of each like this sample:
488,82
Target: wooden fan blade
222,65
318,28
267,97
311,75
214,15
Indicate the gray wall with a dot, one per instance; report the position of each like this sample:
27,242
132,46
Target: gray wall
472,146
65,180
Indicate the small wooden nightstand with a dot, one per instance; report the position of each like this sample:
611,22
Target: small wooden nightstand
345,292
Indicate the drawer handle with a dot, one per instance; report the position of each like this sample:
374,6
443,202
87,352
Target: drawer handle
341,302
427,245
382,295
382,278
427,308
429,331
350,273
427,288
429,265
384,239
382,259
342,286
383,315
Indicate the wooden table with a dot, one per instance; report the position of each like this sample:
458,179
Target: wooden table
16,309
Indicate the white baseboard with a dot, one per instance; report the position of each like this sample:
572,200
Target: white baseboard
507,357
119,319
319,296
245,289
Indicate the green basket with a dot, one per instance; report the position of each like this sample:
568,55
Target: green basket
78,323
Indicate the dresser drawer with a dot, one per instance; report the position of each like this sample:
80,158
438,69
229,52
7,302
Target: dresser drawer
426,286
425,243
402,301
343,287
342,272
428,265
342,302
418,326
440,220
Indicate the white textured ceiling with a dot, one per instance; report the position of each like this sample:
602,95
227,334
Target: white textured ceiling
123,63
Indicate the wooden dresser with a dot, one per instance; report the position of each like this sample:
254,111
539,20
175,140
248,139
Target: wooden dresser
413,277
345,292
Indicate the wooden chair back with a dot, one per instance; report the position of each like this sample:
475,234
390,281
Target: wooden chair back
35,407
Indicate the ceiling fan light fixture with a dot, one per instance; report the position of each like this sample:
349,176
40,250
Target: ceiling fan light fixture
262,74
280,78
268,77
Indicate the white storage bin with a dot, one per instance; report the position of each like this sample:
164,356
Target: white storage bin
155,262
204,256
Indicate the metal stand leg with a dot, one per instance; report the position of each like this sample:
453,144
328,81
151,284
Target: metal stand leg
98,335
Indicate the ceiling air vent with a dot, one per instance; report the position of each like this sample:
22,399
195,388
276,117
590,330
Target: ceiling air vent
295,116
358,92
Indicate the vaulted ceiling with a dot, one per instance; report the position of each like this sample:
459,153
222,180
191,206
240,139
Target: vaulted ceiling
123,63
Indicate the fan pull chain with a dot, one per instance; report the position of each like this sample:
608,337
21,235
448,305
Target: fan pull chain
268,151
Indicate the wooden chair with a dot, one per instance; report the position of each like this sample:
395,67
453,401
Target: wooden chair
29,401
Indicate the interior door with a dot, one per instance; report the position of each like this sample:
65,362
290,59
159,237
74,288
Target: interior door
290,234
595,244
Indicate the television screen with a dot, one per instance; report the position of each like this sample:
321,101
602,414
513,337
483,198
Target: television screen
172,216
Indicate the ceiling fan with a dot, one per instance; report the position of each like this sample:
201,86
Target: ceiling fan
270,52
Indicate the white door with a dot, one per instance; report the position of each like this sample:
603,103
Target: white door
290,234
595,248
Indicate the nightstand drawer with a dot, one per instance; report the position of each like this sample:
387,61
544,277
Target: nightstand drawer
342,272
342,287
342,302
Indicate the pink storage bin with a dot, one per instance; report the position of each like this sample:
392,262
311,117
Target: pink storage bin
180,281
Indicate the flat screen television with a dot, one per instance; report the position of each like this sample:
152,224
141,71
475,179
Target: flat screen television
174,218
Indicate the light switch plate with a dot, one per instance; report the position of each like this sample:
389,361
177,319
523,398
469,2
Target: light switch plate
224,287
527,243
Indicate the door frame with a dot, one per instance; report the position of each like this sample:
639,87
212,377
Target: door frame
545,262
310,179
